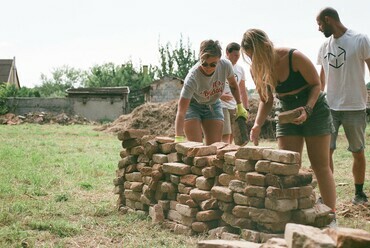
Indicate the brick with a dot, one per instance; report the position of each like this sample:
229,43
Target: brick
245,165
208,215
301,179
173,157
203,183
164,140
289,193
130,143
229,148
257,179
183,147
282,156
131,134
255,191
211,172
176,168
250,152
263,166
284,169
237,186
200,151
189,179
222,193
306,236
224,179
200,195
229,158
159,158
281,205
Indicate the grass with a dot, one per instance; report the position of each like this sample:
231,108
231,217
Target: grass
56,190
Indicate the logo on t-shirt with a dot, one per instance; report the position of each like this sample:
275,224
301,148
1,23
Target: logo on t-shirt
336,60
217,88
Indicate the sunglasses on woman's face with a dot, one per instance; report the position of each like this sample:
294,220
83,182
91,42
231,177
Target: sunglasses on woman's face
205,64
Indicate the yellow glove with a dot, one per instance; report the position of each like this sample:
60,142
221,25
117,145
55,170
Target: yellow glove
180,138
241,111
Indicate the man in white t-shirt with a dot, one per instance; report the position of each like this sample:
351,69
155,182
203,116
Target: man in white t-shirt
342,58
228,102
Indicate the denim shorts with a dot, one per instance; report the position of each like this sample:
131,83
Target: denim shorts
354,125
204,111
319,123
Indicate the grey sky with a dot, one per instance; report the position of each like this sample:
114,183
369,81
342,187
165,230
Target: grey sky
47,34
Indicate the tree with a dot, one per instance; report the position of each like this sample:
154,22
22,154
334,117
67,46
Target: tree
110,75
61,79
368,85
178,61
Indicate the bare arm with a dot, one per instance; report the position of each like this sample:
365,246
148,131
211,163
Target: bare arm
183,105
243,94
264,108
234,88
322,78
309,73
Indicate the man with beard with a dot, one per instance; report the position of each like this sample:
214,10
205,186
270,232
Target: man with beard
342,58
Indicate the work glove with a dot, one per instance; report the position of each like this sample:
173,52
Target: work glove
180,138
241,111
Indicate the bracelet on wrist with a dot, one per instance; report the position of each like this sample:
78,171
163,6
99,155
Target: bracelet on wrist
308,110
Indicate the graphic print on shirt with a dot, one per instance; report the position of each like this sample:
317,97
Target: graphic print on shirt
217,88
336,60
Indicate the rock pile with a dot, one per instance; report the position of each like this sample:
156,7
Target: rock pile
226,190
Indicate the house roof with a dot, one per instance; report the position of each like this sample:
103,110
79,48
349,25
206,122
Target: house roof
101,91
5,67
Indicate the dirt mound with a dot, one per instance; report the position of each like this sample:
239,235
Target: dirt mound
159,119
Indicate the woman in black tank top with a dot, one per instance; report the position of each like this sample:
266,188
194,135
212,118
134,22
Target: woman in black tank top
294,79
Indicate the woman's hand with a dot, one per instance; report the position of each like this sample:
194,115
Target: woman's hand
255,133
302,117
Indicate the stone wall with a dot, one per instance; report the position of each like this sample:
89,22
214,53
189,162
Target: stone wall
247,192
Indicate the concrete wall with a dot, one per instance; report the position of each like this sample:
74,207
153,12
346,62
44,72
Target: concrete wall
165,90
92,108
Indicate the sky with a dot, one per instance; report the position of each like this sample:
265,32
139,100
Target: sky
44,35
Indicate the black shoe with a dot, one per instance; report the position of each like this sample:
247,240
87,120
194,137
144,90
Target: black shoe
360,198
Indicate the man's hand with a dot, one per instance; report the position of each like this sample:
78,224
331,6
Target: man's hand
241,111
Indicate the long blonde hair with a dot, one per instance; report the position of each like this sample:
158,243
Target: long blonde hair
263,60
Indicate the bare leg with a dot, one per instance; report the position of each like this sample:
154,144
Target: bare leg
212,130
226,138
331,161
359,167
319,155
193,130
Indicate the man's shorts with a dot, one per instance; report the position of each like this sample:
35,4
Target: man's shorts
204,111
319,123
354,125
229,115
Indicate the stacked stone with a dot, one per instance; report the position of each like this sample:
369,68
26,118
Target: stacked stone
195,209
129,182
231,191
276,192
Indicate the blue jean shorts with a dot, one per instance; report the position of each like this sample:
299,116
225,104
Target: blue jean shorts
354,125
204,111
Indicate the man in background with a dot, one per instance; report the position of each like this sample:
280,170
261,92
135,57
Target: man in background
228,102
342,58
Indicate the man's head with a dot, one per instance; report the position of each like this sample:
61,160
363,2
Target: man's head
327,19
233,52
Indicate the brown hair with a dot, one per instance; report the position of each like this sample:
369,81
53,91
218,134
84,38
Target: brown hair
263,60
209,48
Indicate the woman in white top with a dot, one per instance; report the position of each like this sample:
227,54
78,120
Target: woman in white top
199,110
